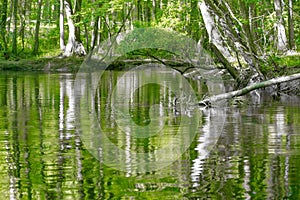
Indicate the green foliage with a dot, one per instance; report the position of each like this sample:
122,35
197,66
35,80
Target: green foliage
141,24
268,68
174,16
157,38
180,16
289,61
281,65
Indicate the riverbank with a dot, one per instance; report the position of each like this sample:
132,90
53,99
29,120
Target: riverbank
53,64
281,65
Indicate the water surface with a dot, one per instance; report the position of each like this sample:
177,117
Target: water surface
42,155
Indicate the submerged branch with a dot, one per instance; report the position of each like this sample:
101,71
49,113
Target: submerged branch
245,90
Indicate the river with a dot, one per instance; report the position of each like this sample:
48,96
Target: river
232,152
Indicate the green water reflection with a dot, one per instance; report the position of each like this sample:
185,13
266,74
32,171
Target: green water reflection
42,156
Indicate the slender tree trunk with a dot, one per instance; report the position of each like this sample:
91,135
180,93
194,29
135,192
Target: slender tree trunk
22,11
37,28
95,31
77,19
291,26
86,38
11,7
94,24
3,26
27,13
138,6
108,25
153,10
15,16
246,12
71,39
254,27
281,35
98,32
61,26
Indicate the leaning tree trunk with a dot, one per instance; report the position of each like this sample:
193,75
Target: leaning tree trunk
227,43
232,42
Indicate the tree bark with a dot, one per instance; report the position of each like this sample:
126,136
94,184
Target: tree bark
215,36
9,20
22,15
74,45
153,10
243,91
229,43
61,26
37,28
77,19
98,32
291,26
3,26
94,24
71,39
86,38
15,15
282,44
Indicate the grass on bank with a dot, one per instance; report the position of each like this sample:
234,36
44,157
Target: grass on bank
49,61
47,64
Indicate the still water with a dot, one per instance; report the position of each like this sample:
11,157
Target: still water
250,152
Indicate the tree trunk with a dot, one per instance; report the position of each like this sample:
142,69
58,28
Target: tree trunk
291,26
74,45
214,34
98,32
138,6
77,19
37,28
71,39
232,45
153,13
282,44
3,27
15,15
95,25
216,41
86,38
22,14
9,21
274,81
61,26
246,12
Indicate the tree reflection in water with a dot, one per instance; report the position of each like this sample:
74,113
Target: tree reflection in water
42,155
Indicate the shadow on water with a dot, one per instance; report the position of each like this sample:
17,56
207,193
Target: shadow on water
42,155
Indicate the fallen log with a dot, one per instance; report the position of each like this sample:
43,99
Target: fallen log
208,100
